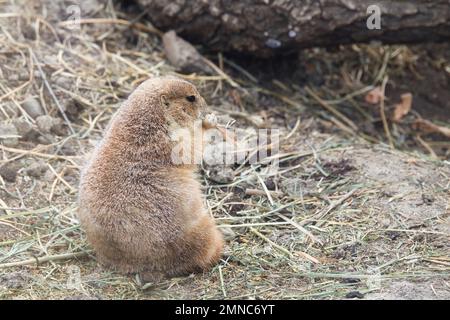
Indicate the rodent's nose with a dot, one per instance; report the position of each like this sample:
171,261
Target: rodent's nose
202,114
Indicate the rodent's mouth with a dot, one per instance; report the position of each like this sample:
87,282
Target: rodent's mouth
203,114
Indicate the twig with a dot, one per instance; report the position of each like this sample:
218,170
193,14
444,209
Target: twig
333,206
331,109
282,249
257,192
39,260
221,73
222,284
299,227
307,257
382,113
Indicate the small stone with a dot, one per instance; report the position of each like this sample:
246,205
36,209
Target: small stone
182,55
73,109
63,82
270,183
46,138
273,43
428,198
228,233
29,32
23,127
36,169
26,131
354,294
9,171
47,124
221,174
13,77
33,107
385,222
49,176
44,123
9,136
100,71
71,176
68,150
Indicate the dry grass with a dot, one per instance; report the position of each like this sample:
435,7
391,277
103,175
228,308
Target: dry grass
333,219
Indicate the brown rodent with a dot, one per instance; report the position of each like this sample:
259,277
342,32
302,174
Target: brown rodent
141,212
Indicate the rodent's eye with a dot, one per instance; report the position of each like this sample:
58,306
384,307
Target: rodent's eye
190,98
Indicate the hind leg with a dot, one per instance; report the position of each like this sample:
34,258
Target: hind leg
201,248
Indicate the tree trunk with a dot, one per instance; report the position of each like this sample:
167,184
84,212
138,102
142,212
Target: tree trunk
267,27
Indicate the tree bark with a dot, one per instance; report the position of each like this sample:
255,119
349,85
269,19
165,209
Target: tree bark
268,27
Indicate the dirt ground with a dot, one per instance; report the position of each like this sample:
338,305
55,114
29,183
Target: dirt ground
349,213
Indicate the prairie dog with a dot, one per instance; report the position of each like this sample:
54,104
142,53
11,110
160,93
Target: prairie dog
141,212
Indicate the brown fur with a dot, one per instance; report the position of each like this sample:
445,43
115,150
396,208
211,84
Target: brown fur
142,213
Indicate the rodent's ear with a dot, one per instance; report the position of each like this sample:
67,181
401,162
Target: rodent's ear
164,100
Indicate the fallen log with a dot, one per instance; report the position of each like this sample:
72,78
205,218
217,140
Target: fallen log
269,27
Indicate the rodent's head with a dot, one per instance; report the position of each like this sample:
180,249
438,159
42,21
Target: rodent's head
176,99
182,102
158,106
